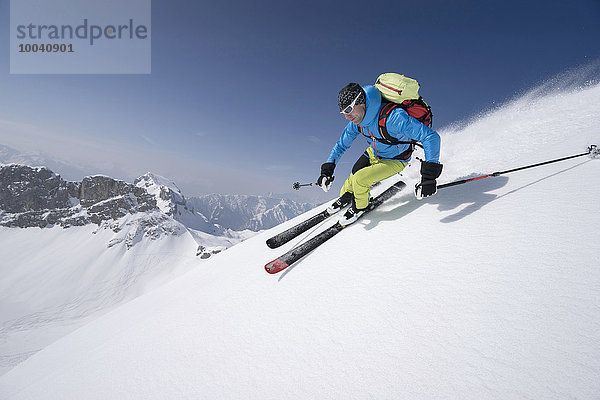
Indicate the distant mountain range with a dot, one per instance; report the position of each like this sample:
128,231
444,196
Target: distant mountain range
242,212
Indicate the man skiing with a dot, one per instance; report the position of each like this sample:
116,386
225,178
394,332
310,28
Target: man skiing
362,107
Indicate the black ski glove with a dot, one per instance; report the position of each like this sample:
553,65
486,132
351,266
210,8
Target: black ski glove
429,173
326,178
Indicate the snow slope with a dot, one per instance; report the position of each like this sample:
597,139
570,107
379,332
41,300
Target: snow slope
55,280
489,290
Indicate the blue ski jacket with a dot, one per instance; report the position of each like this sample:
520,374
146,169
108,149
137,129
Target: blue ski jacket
399,125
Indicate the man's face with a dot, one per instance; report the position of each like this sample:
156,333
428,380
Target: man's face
357,114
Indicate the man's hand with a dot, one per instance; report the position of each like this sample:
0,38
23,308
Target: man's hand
326,178
428,186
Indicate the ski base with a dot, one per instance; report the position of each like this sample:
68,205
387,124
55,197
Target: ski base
287,259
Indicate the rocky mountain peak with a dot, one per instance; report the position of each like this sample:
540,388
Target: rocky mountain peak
94,189
27,189
166,193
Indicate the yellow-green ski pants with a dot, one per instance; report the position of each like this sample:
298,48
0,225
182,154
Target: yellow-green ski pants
360,181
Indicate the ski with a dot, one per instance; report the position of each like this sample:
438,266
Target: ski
287,259
282,238
287,235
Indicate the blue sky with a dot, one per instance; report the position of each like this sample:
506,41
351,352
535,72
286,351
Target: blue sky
242,95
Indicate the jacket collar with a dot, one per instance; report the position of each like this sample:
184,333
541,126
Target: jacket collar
373,103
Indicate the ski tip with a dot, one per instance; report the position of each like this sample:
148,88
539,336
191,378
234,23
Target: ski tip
273,244
276,266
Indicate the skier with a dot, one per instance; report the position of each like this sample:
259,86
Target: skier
362,106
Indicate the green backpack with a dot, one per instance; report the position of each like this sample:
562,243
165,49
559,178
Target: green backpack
402,91
397,88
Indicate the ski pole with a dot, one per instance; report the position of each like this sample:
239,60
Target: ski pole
593,151
297,185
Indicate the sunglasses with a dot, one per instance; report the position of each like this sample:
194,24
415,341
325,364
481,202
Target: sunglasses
349,109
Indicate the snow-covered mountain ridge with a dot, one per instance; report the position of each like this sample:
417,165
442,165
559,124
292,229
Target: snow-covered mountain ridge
36,196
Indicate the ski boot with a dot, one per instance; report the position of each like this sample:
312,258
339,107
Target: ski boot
340,203
353,214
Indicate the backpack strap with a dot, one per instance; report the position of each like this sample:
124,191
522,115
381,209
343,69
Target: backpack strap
386,138
384,114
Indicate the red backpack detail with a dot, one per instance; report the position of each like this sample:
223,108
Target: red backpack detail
417,109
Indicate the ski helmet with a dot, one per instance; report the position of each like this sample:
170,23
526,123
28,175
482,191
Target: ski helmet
350,92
